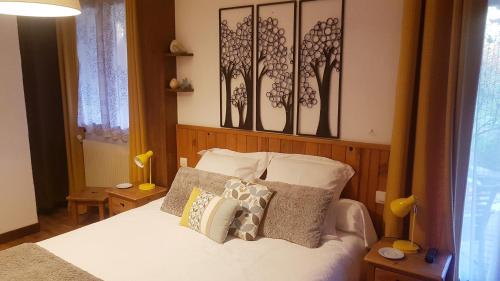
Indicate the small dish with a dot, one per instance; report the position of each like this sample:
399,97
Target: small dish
391,253
124,185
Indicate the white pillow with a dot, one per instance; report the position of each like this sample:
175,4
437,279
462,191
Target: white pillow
240,167
263,158
309,170
349,216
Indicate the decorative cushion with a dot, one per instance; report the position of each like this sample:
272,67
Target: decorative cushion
253,200
183,184
295,213
209,214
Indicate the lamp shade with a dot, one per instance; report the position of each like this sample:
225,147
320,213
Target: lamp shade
142,159
402,206
40,8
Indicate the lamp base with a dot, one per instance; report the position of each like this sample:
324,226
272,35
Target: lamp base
147,186
406,246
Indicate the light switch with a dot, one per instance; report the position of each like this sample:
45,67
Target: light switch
380,197
183,162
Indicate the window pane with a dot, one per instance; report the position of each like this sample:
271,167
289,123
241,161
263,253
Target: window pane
102,56
480,245
88,88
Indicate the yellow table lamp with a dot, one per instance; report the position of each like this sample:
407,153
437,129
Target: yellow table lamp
140,161
401,207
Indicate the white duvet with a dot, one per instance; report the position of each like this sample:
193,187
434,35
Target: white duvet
148,244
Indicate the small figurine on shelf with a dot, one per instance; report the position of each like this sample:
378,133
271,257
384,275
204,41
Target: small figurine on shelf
174,84
185,84
177,48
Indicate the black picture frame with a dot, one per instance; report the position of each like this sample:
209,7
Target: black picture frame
260,93
243,98
320,132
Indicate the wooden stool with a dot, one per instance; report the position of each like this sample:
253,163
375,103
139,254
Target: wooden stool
90,197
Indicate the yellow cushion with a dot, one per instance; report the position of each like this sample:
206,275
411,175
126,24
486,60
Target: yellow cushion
187,208
209,214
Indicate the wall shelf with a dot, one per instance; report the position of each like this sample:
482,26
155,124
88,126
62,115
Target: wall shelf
179,90
179,55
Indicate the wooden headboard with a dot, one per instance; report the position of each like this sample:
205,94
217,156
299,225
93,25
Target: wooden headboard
368,160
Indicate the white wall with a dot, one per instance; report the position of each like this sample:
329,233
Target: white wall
17,194
371,56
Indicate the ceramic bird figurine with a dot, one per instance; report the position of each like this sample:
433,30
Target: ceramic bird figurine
174,84
177,48
185,83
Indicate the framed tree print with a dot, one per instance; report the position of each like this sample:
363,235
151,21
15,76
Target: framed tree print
236,33
320,67
275,59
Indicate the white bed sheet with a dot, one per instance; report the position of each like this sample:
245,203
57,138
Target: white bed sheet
148,244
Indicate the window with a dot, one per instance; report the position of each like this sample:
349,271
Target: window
480,245
102,57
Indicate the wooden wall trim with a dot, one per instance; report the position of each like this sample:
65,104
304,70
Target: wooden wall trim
370,161
156,26
20,232
286,137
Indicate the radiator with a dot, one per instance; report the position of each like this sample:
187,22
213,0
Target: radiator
106,164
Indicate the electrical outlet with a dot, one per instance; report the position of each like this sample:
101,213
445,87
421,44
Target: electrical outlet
183,162
380,197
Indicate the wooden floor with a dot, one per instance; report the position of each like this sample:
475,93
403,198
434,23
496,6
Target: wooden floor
52,225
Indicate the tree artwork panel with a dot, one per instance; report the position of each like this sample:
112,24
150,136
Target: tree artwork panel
239,100
236,33
275,59
320,67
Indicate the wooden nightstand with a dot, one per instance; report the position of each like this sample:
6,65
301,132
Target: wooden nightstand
412,268
121,200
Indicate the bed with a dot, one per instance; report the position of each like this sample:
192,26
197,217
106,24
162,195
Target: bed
147,244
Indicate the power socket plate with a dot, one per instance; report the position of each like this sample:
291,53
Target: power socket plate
380,197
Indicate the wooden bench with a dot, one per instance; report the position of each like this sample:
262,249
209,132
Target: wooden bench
90,197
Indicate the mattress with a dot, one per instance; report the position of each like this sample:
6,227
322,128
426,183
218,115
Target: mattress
148,244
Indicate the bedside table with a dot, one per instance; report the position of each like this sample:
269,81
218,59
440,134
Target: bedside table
121,200
411,268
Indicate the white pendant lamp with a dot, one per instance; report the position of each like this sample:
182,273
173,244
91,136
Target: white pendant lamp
40,8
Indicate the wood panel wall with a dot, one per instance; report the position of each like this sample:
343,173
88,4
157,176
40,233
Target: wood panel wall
370,161
156,30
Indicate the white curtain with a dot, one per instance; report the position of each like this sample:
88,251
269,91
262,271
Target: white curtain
103,83
480,243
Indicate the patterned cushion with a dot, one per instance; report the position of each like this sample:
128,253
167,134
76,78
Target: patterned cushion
183,184
253,199
209,214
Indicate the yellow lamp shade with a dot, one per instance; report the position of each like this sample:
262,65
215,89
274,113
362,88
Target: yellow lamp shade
141,159
40,8
402,206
